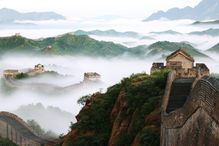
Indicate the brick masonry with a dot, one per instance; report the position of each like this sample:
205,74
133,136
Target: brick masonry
197,122
16,130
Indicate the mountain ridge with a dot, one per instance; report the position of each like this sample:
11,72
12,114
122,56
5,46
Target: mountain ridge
69,44
214,49
205,10
10,16
214,22
112,33
210,32
164,48
37,111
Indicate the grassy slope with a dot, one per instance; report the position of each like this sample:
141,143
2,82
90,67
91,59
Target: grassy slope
84,45
166,47
66,44
214,49
17,44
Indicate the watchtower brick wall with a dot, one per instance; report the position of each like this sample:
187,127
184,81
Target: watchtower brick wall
179,60
183,64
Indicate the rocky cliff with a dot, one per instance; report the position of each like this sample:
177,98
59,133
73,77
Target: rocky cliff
127,114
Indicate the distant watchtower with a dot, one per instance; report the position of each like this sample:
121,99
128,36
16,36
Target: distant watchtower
91,76
39,68
17,34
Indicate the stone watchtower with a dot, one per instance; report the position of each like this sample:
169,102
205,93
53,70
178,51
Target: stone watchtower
190,109
181,62
39,68
92,76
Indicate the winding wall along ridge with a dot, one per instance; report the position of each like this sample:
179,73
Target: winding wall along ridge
197,122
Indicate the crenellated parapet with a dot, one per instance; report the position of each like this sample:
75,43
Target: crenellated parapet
197,121
15,129
17,119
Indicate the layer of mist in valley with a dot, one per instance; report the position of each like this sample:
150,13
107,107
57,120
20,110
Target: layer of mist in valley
63,86
183,27
68,71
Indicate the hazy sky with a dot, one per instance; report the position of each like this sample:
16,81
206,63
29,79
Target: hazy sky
92,8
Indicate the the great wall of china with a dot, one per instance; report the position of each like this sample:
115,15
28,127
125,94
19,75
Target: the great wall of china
190,111
196,123
15,129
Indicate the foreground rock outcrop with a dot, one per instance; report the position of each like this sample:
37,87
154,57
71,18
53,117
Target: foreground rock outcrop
127,114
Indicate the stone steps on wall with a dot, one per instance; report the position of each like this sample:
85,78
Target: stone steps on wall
179,93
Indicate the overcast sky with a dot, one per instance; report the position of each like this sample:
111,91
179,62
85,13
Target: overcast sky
94,8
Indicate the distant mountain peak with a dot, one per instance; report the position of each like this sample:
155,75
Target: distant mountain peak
110,32
8,16
205,10
7,9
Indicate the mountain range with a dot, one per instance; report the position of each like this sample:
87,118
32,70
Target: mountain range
10,16
171,32
214,22
205,10
112,33
214,49
210,32
66,44
164,48
69,44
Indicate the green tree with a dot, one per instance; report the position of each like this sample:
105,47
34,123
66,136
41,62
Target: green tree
36,127
6,142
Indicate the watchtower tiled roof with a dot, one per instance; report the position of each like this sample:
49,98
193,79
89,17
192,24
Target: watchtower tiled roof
182,52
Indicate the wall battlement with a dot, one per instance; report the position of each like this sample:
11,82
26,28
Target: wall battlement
190,106
197,121
16,130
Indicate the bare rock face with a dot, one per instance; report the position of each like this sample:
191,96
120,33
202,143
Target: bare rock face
119,125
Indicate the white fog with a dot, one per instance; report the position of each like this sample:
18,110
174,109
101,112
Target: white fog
70,70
